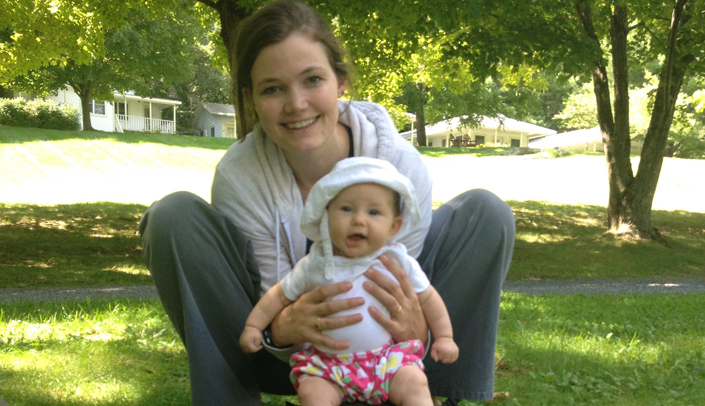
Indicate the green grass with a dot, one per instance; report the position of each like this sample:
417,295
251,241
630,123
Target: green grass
20,135
556,241
552,350
71,245
96,244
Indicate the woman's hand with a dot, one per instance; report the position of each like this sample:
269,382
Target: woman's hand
406,321
305,319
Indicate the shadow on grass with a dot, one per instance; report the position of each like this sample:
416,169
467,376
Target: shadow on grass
87,244
19,135
560,241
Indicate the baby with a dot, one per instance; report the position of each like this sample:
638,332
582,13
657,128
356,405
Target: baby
352,215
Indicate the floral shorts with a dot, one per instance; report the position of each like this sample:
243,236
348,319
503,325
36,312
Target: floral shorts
362,376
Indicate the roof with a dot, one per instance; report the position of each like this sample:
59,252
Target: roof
504,124
568,138
219,109
130,95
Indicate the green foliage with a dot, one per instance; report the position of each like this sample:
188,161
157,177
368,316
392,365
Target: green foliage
53,32
38,114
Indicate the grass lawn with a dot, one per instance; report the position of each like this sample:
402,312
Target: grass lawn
99,245
552,350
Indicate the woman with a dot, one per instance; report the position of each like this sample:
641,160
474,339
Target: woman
210,263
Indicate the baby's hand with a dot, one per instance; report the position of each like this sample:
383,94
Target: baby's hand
251,339
445,350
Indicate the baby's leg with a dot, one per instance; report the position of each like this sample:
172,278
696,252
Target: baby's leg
409,386
318,391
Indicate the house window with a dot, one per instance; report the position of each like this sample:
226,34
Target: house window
97,107
479,139
515,142
430,143
212,131
200,133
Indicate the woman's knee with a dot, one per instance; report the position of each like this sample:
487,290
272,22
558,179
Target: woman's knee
170,209
484,206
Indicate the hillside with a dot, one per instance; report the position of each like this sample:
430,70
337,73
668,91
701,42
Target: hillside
51,167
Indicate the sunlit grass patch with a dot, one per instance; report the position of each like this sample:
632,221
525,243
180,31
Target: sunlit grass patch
552,350
626,350
117,353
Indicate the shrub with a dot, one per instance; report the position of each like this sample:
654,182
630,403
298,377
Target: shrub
38,114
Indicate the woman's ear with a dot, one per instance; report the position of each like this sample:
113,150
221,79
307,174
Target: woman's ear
341,88
248,97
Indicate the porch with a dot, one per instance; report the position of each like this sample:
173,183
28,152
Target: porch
143,124
143,114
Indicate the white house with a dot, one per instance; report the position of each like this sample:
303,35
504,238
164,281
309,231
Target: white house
128,112
578,140
502,131
215,120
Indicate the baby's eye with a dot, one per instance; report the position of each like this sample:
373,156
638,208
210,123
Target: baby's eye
374,212
346,208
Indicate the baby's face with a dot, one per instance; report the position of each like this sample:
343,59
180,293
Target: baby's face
361,218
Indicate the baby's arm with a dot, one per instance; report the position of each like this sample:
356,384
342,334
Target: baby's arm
261,316
436,314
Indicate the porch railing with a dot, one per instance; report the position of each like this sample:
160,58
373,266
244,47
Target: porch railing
143,124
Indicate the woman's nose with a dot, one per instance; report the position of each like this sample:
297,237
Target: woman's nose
295,101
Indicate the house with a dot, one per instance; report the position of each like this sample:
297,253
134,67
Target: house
128,112
578,140
215,120
501,131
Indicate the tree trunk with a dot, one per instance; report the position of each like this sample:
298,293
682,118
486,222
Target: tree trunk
420,117
85,93
639,197
231,15
631,197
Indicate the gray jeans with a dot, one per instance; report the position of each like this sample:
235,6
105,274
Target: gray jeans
208,281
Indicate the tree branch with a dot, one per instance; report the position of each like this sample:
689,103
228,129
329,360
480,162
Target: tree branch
635,26
209,3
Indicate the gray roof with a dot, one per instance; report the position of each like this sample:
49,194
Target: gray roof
219,109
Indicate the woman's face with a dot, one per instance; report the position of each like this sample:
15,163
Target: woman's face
295,94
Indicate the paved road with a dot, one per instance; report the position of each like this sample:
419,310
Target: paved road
587,287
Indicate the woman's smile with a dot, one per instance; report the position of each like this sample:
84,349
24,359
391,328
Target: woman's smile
300,124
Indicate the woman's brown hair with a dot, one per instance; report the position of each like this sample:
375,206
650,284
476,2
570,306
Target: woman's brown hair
272,24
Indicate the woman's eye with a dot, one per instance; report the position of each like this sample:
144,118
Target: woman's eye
313,80
270,90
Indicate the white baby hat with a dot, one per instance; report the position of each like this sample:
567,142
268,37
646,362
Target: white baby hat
348,172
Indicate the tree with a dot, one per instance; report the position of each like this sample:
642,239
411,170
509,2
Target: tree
41,33
136,50
674,31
